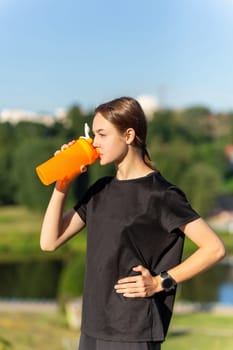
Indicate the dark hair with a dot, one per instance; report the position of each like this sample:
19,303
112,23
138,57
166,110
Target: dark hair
124,113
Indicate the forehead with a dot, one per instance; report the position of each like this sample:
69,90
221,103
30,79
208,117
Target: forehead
99,122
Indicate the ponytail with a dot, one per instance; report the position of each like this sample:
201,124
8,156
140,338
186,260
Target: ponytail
146,158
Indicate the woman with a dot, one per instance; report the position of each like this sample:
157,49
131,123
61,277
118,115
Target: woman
136,223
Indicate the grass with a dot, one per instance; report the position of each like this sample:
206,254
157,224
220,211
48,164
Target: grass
200,331
26,331
19,220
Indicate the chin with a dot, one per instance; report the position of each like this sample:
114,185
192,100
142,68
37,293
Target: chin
101,161
104,162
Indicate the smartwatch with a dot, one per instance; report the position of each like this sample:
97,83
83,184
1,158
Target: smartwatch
167,282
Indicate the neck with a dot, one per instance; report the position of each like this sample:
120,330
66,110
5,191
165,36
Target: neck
132,166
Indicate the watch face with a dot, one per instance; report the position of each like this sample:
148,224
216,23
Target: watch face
167,283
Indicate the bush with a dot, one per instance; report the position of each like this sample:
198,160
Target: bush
72,278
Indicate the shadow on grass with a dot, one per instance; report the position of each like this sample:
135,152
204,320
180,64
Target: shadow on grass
5,344
179,332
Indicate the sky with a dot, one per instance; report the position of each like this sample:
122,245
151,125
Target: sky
57,53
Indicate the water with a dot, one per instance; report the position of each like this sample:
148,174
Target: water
30,279
214,285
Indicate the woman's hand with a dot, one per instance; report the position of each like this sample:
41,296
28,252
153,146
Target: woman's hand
139,286
63,185
64,147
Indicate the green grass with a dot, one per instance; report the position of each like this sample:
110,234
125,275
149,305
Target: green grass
200,331
197,331
19,220
26,331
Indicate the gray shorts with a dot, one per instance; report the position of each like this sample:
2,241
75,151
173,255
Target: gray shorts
89,343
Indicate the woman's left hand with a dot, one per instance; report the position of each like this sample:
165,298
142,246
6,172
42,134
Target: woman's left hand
139,286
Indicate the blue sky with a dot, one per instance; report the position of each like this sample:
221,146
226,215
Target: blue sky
56,53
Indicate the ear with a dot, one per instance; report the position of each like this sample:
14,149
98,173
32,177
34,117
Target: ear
130,135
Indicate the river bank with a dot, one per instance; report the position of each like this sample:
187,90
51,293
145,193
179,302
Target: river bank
43,306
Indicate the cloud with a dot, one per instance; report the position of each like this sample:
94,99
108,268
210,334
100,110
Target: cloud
149,104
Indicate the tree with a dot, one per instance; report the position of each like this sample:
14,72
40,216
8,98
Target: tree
30,153
172,159
195,124
202,184
72,277
75,121
163,126
6,153
7,186
29,130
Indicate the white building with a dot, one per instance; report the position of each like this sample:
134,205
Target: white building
15,116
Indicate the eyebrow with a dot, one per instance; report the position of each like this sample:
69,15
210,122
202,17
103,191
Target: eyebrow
98,130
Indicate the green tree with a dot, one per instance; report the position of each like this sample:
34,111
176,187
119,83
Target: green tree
72,278
195,124
202,184
172,159
7,188
29,130
30,153
163,126
7,147
75,121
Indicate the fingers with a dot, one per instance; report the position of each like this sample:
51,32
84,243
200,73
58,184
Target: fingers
67,145
139,286
83,168
64,147
141,269
57,152
131,279
131,289
137,293
132,286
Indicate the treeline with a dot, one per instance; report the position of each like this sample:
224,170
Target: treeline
187,146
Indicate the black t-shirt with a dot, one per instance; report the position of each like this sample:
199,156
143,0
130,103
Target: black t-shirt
129,223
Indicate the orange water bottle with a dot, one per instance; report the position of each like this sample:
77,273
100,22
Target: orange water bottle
67,163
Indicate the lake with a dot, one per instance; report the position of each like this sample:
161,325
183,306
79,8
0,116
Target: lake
215,285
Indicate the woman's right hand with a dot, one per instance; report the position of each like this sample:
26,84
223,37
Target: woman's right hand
64,147
63,185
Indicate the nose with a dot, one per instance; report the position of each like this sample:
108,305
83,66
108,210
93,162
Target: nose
95,142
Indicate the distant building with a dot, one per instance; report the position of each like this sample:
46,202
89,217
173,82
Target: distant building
15,116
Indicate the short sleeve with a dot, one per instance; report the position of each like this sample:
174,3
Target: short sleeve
176,210
82,205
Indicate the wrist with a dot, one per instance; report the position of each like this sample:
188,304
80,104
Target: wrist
157,284
63,185
167,282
